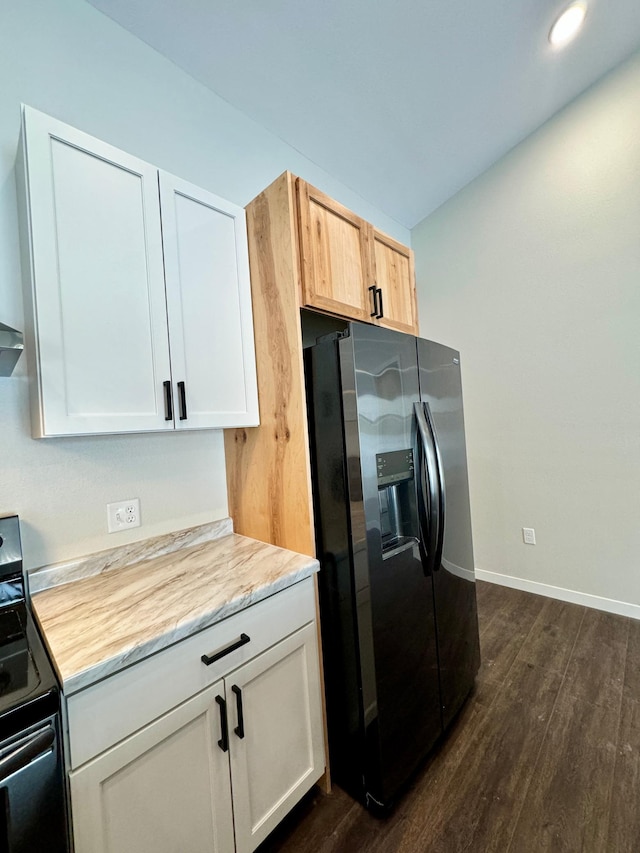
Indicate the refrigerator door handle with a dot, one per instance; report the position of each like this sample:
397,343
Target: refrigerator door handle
429,498
441,492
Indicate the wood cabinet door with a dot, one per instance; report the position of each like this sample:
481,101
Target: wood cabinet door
209,307
395,276
164,789
335,256
280,754
96,310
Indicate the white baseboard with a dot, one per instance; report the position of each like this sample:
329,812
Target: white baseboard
610,605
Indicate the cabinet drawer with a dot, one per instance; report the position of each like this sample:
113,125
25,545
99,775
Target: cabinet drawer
108,711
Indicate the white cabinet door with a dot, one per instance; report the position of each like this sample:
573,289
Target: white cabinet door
209,307
165,789
281,753
97,284
139,301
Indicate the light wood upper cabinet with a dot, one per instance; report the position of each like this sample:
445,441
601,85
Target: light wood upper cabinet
395,277
335,255
138,299
351,269
305,250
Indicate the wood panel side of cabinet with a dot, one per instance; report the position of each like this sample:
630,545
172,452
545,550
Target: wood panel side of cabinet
395,276
268,472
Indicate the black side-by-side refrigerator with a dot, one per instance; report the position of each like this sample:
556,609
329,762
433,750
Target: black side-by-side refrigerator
393,531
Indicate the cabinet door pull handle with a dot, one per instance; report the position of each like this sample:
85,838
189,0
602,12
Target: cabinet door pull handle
182,399
374,290
223,743
168,405
239,729
225,650
381,312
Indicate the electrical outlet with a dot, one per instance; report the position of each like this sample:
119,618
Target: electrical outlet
528,536
123,515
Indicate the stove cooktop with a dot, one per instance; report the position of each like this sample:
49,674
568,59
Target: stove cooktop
19,674
28,686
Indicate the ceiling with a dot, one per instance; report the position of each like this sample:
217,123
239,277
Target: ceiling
403,101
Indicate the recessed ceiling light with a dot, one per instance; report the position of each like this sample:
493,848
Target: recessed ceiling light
567,25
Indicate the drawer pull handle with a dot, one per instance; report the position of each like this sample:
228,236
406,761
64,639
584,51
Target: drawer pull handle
223,743
225,650
239,729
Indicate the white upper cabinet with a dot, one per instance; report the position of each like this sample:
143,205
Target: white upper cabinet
138,297
209,306
99,334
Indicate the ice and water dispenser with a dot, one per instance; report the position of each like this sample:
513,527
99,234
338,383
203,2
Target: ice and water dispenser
396,498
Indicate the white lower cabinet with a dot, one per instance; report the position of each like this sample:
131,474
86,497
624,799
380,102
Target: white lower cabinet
218,772
163,790
281,754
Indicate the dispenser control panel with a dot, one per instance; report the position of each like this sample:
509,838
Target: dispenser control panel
394,467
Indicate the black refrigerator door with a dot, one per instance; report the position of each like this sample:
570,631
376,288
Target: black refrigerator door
341,549
377,610
380,439
453,566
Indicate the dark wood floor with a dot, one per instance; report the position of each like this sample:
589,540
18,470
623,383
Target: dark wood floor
545,756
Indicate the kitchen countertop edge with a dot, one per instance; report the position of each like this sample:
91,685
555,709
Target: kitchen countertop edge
250,588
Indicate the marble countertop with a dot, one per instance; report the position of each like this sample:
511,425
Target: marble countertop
94,626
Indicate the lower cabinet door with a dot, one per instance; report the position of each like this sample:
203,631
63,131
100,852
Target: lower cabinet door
165,789
276,733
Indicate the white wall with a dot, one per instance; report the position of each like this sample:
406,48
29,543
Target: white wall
533,272
68,60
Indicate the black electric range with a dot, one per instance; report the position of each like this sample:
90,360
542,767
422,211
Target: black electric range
28,686
32,791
